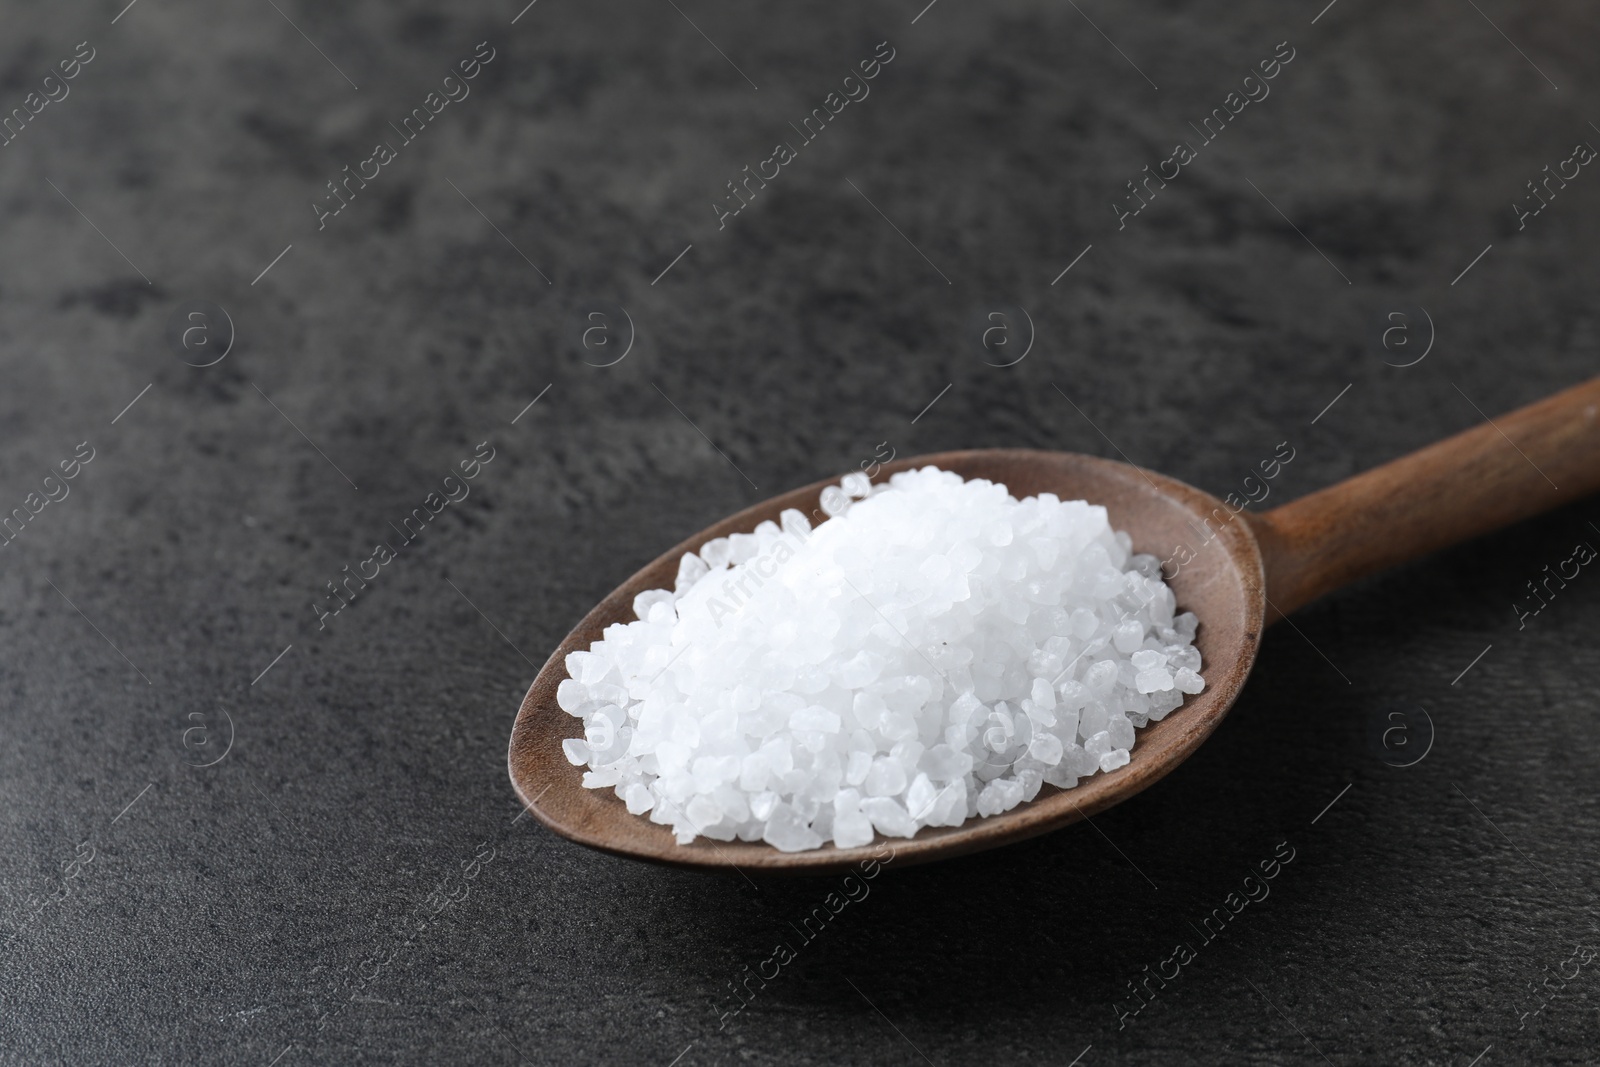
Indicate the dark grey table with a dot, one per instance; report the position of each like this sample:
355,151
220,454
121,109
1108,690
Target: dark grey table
240,830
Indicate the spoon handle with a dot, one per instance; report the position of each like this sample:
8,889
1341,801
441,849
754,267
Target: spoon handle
1508,468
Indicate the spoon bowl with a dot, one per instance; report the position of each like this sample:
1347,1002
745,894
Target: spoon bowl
1237,570
1222,584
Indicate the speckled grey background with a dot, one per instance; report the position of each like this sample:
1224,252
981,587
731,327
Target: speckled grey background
350,882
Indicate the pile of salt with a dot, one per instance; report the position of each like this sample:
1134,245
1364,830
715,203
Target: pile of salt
935,650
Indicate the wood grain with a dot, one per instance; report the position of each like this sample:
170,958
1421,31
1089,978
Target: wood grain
1504,469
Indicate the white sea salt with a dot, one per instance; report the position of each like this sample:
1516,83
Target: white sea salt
935,650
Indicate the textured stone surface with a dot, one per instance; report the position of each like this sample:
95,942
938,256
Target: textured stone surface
281,903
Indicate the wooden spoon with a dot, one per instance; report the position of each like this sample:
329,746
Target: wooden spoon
1254,569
